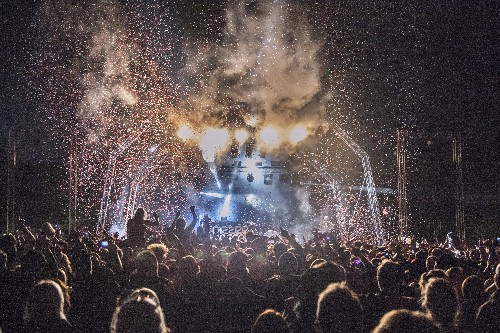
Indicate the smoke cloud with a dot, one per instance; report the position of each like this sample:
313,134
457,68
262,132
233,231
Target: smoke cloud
107,97
302,195
264,71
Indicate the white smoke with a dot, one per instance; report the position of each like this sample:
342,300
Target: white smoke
107,96
213,141
302,195
265,71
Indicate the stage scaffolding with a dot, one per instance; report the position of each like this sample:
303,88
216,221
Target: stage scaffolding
368,184
403,137
110,175
11,202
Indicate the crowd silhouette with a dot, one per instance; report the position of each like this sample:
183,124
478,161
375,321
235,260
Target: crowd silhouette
186,281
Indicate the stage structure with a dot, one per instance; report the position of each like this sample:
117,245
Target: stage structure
244,184
368,183
11,203
345,218
404,138
73,184
110,174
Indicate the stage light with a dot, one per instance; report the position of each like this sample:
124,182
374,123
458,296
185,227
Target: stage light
297,134
215,137
241,135
253,200
268,179
270,136
212,141
250,177
250,165
185,132
213,170
224,212
213,194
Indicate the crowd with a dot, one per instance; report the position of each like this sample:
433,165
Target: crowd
185,281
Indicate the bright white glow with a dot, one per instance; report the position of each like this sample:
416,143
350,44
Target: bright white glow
185,132
252,200
270,136
251,165
213,141
224,212
214,172
213,194
241,135
298,134
152,149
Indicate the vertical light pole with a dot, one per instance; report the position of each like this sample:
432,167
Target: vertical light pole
11,195
402,181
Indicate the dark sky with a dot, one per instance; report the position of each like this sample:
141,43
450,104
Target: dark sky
431,67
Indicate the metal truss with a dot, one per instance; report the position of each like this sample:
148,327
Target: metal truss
402,141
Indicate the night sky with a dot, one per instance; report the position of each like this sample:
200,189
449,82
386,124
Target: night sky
429,67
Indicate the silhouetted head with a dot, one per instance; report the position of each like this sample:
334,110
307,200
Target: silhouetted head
317,278
456,276
390,276
146,263
143,293
397,321
8,244
237,261
104,279
139,315
339,310
45,302
441,301
421,255
187,268
430,262
472,288
270,321
160,251
288,263
433,273
140,214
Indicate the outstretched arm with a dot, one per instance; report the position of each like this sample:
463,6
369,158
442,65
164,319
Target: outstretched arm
30,238
291,240
174,222
194,221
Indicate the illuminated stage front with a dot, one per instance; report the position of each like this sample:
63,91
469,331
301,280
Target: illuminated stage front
237,183
247,188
